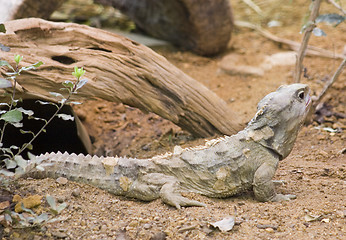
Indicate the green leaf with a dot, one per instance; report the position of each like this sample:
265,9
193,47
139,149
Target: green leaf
18,58
81,83
68,84
51,201
55,94
75,103
61,207
29,146
65,117
41,218
27,209
13,116
26,112
331,18
47,103
30,67
78,72
318,32
17,125
26,132
2,28
10,164
5,83
19,171
6,173
21,162
5,63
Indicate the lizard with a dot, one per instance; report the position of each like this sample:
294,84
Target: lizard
220,168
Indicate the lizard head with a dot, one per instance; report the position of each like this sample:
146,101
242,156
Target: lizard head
279,117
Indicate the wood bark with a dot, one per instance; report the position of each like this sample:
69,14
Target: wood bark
118,69
202,26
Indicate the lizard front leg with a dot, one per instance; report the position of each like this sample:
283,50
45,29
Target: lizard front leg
263,185
157,185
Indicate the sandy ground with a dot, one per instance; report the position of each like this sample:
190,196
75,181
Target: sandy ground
314,171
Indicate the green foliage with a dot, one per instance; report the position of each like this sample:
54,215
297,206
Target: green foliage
2,28
331,18
29,218
54,208
10,158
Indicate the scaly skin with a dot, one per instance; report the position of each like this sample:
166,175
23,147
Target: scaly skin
221,168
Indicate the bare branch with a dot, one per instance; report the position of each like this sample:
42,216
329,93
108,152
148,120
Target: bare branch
311,50
337,6
329,83
306,37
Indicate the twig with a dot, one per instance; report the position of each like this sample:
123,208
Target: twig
329,83
306,37
337,6
253,5
311,50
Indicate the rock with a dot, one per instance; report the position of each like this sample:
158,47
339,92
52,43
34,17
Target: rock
28,202
242,70
15,9
61,180
229,65
59,234
159,236
270,230
279,59
146,226
203,27
4,205
16,198
76,192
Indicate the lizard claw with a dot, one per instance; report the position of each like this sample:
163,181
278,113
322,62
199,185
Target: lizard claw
282,197
179,201
170,197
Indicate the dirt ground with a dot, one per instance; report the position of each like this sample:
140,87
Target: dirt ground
314,171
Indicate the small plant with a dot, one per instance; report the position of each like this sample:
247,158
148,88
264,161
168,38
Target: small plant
10,156
30,218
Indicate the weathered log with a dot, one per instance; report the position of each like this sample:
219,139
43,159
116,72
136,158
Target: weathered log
201,26
118,70
15,9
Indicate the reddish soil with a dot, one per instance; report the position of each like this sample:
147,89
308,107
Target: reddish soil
314,171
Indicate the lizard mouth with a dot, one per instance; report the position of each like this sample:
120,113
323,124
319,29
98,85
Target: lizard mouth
308,101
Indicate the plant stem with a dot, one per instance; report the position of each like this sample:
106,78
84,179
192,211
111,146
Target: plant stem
306,37
44,126
337,6
11,105
329,83
51,118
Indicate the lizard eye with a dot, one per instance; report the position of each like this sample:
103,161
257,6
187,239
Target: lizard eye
301,95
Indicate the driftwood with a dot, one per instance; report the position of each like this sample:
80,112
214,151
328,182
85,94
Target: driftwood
201,26
118,70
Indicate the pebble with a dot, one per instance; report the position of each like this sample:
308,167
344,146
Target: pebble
59,234
340,213
28,202
61,199
147,226
61,180
103,228
159,236
76,192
